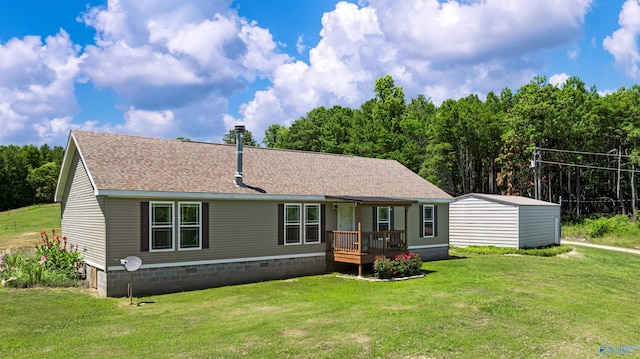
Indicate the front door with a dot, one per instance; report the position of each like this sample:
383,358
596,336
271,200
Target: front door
346,217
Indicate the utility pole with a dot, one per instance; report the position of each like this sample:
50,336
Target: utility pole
535,164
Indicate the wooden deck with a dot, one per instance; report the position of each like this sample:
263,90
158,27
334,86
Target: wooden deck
360,248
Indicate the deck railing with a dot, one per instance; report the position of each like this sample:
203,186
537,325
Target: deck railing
376,242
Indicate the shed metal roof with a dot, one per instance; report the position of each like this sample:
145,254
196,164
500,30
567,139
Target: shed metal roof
511,200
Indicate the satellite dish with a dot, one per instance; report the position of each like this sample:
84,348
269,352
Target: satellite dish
131,263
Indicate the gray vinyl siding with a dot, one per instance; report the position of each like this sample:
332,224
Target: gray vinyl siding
537,225
366,218
237,229
398,218
82,215
442,226
475,221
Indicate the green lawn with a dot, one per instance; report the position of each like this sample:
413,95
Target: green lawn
479,306
20,228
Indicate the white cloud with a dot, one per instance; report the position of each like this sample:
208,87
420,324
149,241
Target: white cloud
300,46
623,43
180,58
49,130
36,82
170,54
148,123
258,114
573,53
558,79
444,50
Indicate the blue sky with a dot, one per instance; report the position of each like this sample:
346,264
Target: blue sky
196,68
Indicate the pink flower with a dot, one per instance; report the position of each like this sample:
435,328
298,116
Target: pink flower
43,259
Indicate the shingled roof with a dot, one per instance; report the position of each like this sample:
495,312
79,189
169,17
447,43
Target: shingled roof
132,165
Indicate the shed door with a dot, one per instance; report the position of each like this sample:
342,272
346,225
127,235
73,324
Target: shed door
346,217
557,230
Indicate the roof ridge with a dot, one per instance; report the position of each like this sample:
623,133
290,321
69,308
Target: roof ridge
233,145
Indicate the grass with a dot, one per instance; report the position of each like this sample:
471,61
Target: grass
20,228
548,251
478,306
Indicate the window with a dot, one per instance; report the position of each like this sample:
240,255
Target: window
190,225
161,226
383,219
428,221
312,223
300,223
292,224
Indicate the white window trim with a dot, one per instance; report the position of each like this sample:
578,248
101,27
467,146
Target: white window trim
319,224
173,227
299,224
388,221
199,226
425,220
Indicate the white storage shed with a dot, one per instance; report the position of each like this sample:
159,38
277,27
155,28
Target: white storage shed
503,221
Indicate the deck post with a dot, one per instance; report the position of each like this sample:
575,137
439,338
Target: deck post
360,248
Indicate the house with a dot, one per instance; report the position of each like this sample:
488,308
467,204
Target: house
503,221
201,215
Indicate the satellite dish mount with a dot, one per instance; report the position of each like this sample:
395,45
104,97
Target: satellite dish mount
131,264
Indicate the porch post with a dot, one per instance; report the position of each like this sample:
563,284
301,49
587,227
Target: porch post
359,249
406,227
359,239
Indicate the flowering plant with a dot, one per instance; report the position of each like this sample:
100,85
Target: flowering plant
59,255
56,262
402,265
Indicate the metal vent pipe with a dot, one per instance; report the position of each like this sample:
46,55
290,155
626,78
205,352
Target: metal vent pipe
239,137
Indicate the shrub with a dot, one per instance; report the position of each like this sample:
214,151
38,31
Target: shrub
402,265
546,251
617,225
55,263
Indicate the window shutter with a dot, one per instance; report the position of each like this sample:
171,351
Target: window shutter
144,226
421,223
435,220
392,219
280,223
375,218
205,225
323,223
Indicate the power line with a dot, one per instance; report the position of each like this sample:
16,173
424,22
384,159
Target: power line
588,166
585,153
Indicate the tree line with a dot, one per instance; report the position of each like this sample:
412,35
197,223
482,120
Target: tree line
28,174
543,140
502,144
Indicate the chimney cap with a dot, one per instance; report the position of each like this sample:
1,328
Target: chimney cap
239,128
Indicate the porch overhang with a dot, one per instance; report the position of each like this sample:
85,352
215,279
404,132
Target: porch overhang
373,201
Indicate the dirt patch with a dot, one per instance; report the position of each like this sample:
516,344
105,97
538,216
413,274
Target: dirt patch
29,234
295,333
374,279
360,339
573,253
